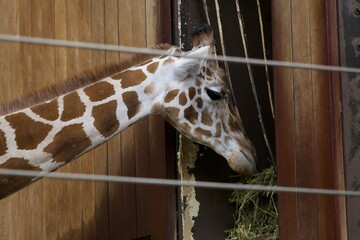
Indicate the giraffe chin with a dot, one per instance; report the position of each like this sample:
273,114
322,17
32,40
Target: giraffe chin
242,163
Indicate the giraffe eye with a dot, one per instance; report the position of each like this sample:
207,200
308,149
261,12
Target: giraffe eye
215,95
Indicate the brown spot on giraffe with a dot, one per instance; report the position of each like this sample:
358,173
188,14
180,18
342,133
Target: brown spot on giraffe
3,146
200,75
197,83
68,143
151,68
99,91
192,93
156,108
191,114
173,112
222,74
203,69
73,107
106,121
208,72
171,95
28,132
168,61
130,78
149,89
206,118
9,184
218,130
202,132
199,103
224,127
132,103
185,127
48,111
182,99
234,124
232,109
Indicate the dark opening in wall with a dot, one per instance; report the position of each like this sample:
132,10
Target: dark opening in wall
215,213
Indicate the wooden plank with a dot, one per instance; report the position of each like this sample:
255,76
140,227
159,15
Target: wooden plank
88,197
304,125
100,153
36,219
6,211
74,10
324,171
61,70
313,120
156,136
22,214
87,160
336,122
284,124
141,134
50,188
114,146
127,136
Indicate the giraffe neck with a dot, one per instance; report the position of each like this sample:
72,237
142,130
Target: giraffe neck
46,136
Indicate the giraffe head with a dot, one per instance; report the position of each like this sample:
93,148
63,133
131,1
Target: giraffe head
199,104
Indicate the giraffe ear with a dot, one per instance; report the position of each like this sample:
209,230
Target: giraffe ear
191,63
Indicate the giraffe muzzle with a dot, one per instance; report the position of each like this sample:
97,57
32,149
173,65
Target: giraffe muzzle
243,163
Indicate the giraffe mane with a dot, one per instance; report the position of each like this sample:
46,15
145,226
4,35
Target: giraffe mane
75,82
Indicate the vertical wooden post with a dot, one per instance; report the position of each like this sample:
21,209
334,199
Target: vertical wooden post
307,119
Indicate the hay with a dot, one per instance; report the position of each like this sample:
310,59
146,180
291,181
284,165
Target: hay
256,215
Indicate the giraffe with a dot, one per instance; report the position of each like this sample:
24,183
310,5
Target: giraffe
54,126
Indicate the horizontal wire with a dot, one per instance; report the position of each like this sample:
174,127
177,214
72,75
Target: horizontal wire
177,183
127,49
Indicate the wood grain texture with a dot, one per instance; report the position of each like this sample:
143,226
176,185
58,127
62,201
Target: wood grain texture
285,121
61,72
6,60
63,209
49,204
336,122
305,129
141,133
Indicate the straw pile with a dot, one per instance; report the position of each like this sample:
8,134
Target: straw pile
256,215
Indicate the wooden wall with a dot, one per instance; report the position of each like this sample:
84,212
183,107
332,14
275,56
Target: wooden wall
308,119
64,209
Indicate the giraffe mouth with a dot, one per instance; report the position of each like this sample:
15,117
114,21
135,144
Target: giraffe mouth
242,163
